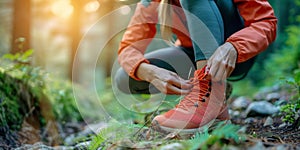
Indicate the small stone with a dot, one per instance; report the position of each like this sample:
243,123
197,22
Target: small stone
258,145
269,121
241,103
280,102
243,129
83,145
273,96
250,120
234,113
173,146
282,125
261,108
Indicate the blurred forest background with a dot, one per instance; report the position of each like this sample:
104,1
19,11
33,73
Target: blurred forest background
61,32
54,28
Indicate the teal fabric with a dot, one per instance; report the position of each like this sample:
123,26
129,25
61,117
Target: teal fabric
205,25
232,20
146,3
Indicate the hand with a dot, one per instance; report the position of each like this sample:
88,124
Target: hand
222,62
164,80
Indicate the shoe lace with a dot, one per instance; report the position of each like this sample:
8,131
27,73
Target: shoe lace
199,93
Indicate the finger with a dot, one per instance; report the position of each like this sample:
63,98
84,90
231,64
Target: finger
171,89
213,69
221,73
179,82
168,88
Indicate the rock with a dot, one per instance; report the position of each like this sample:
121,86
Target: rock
88,130
261,108
234,113
269,121
82,146
241,103
38,145
282,125
258,146
250,120
280,102
63,148
243,129
172,146
262,94
273,96
69,140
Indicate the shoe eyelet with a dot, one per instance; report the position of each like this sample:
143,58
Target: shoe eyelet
207,94
203,100
196,104
209,89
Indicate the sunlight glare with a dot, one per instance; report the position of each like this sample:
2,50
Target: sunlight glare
125,10
92,6
62,8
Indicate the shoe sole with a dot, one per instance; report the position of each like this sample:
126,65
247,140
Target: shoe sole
187,133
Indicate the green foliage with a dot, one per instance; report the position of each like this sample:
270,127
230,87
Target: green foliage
9,115
282,57
291,112
15,89
22,84
20,58
222,131
60,94
114,134
125,135
96,142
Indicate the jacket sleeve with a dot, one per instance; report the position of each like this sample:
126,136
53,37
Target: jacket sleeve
260,28
138,35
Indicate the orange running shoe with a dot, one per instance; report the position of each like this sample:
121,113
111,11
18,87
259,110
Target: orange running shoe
203,106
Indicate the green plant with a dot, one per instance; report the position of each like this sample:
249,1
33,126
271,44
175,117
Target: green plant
14,89
24,87
114,133
217,136
125,135
291,111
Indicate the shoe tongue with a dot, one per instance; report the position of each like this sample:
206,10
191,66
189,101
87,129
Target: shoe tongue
201,73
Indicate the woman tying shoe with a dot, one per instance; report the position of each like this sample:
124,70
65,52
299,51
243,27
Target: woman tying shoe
217,39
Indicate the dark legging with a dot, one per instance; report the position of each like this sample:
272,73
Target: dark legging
176,59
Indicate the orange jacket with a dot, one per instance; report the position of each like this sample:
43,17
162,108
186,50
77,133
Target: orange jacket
259,32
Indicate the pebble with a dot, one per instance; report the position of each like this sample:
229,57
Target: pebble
258,146
83,145
173,146
273,96
269,121
234,113
249,120
241,103
261,108
282,125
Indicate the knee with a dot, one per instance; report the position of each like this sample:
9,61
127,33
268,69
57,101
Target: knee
121,81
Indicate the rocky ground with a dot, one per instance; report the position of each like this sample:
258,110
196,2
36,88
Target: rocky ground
258,116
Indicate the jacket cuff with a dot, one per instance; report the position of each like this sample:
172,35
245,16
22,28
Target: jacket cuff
133,71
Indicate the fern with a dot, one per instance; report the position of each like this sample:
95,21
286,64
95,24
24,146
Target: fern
199,139
96,142
114,133
223,131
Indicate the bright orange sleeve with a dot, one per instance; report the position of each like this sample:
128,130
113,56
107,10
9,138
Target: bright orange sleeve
260,28
138,35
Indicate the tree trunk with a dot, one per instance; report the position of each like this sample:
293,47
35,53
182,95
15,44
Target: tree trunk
75,35
21,26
